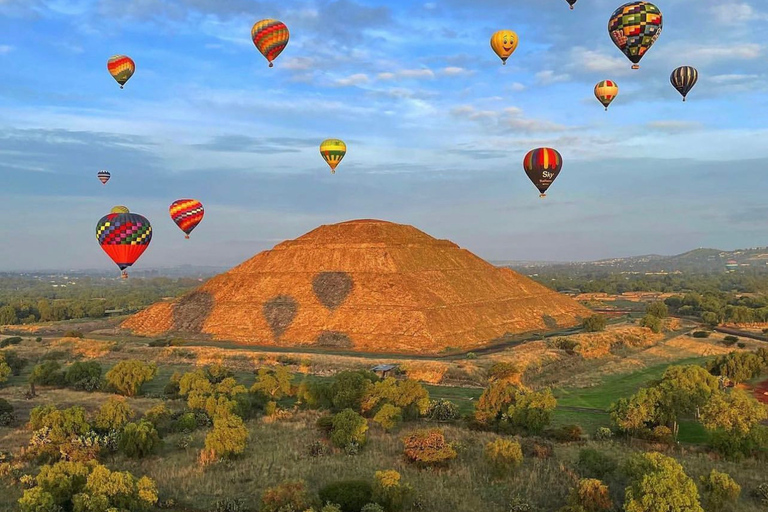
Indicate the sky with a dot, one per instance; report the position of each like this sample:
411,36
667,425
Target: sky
436,127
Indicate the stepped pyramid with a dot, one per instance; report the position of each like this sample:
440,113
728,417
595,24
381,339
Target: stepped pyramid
363,285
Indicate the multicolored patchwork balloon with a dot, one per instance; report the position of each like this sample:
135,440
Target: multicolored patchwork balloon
504,43
270,37
683,79
187,214
606,91
124,237
542,165
333,150
121,67
634,27
103,177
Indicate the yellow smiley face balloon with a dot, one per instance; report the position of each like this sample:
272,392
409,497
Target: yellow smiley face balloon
504,43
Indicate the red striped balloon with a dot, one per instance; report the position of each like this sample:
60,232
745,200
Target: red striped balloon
187,214
270,37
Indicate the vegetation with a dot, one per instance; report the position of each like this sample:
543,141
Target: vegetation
594,323
127,377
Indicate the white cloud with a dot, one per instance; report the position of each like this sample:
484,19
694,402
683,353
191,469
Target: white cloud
582,59
674,126
455,71
352,80
730,79
548,76
423,73
746,51
516,87
736,13
5,49
509,119
298,63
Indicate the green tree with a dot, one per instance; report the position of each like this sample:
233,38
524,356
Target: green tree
389,417
589,495
228,437
61,425
83,376
737,366
409,395
114,414
651,322
349,388
594,323
6,413
531,411
720,490
5,371
503,456
638,413
657,309
349,428
127,377
139,440
495,401
390,491
658,482
733,420
47,374
8,315
350,495
274,383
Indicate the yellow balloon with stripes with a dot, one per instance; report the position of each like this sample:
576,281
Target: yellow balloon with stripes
606,91
332,151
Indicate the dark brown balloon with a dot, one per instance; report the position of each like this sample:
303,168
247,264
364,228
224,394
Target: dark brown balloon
542,165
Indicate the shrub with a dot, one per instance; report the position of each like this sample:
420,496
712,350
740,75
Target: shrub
83,376
603,434
228,437
172,388
590,495
372,507
428,447
185,423
13,340
161,418
231,505
286,497
318,449
216,373
503,456
61,425
537,448
662,434
660,480
390,492
595,464
127,377
39,339
349,428
520,504
114,414
568,433
719,490
471,355
741,345
651,322
14,362
701,334
47,374
443,411
729,341
566,344
503,372
388,417
761,493
139,440
159,343
73,334
6,413
657,309
594,323
274,384
350,495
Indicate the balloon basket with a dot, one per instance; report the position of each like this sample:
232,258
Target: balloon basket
571,7
186,237
271,65
606,109
121,86
635,66
124,275
683,98
504,63
333,171
542,195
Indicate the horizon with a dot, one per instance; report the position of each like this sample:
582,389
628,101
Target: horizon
436,128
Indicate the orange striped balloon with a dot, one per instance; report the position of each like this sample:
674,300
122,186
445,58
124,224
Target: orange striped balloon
121,67
270,37
187,214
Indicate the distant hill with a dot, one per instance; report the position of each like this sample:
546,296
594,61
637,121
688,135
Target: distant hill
698,260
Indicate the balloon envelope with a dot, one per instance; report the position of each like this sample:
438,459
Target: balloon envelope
606,91
542,165
504,43
270,37
124,237
332,151
187,214
571,3
121,67
683,79
103,177
634,27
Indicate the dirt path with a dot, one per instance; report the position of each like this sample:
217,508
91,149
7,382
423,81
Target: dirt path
761,392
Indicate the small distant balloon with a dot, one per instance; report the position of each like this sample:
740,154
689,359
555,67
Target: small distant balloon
504,43
124,237
633,28
103,176
270,37
187,214
571,3
121,67
542,165
683,79
119,209
606,91
332,151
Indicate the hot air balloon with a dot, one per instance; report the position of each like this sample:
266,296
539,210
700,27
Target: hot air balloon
124,237
504,43
270,37
121,67
103,177
606,91
119,209
542,165
187,214
683,79
333,150
571,2
634,27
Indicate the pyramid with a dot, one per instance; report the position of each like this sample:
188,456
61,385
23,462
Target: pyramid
363,285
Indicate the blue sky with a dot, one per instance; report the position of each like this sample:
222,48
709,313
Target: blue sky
436,127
